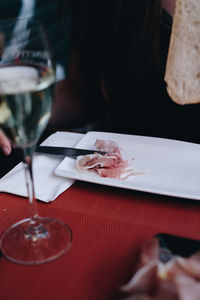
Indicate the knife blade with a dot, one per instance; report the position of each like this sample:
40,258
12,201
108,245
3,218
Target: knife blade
65,151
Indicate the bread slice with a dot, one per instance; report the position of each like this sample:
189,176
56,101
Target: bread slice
183,62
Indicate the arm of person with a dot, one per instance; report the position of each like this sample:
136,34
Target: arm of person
69,109
169,6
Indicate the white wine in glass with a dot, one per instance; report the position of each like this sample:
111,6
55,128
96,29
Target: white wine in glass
27,80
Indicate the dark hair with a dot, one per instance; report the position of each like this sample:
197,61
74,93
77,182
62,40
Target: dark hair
119,43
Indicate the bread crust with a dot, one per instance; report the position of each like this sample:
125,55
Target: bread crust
182,73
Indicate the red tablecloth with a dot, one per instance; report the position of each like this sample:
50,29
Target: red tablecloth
109,226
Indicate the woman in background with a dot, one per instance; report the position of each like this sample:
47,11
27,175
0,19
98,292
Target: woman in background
122,49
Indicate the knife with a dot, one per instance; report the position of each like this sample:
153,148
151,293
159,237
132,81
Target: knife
65,151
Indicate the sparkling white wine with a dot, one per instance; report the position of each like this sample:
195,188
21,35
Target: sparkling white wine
26,95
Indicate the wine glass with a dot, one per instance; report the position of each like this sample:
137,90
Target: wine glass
27,80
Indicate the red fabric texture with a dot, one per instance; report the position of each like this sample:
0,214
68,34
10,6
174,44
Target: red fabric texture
109,225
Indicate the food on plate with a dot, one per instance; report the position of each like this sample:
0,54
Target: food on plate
162,275
110,164
183,64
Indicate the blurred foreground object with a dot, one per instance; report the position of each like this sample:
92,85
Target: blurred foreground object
162,275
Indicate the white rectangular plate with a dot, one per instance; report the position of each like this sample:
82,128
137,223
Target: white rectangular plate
167,167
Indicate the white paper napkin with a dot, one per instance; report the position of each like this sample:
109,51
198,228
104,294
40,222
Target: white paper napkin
47,185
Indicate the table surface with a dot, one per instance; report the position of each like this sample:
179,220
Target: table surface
109,225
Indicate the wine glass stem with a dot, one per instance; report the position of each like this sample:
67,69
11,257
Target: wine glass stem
28,160
35,231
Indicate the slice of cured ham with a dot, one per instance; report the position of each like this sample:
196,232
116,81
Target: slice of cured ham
156,278
107,146
109,165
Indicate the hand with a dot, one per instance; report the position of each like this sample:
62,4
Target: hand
5,145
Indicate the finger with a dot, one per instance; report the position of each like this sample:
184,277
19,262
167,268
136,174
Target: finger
5,145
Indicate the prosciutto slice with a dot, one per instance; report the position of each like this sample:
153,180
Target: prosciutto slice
160,275
109,165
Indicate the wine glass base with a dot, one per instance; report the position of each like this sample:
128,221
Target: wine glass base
21,244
